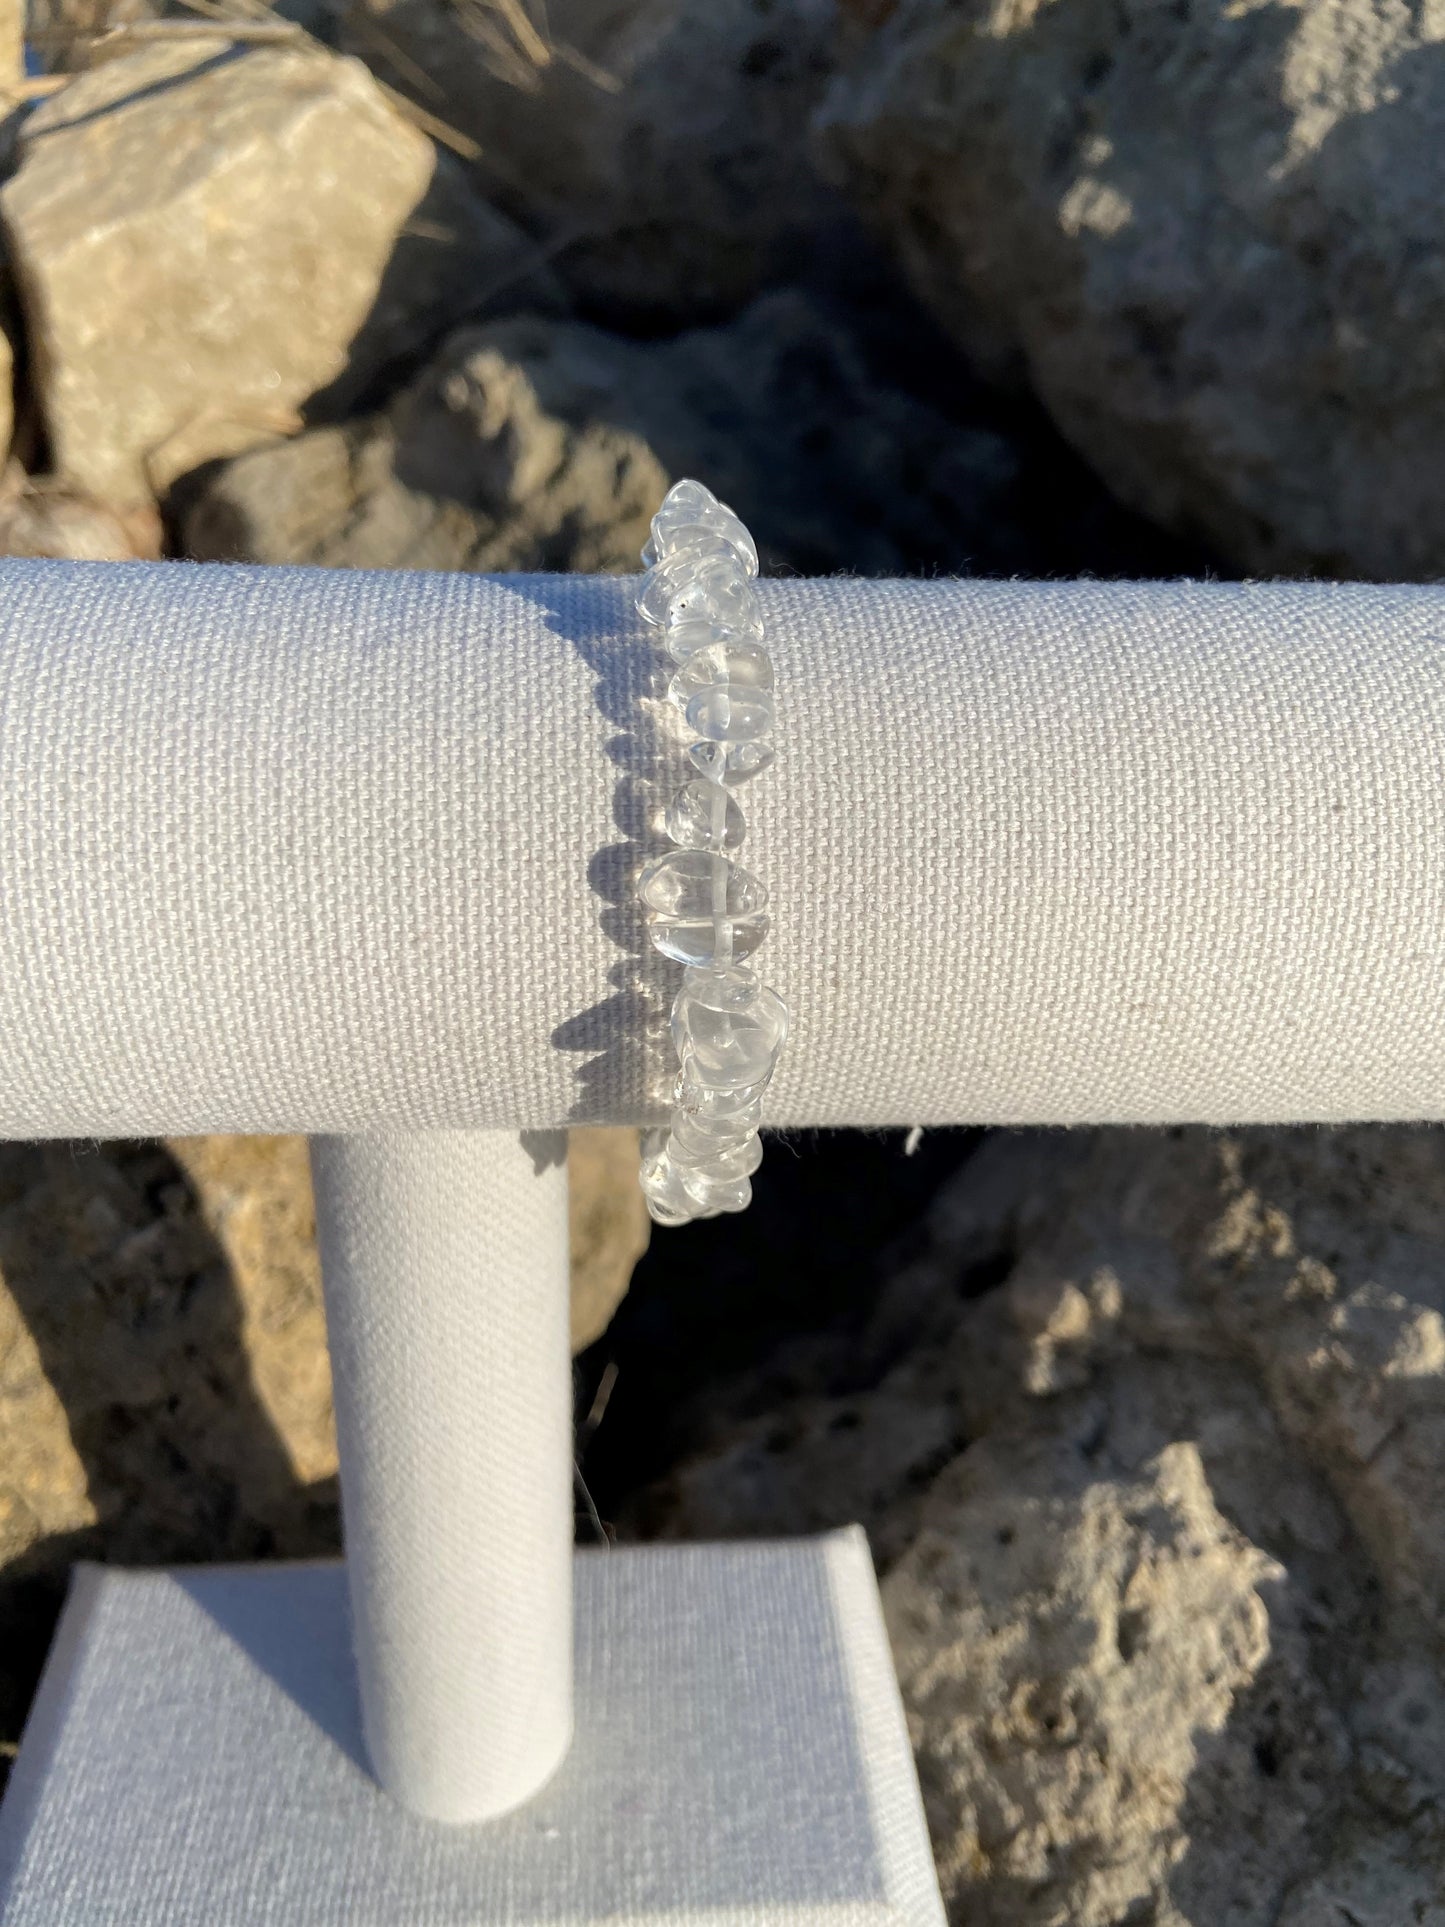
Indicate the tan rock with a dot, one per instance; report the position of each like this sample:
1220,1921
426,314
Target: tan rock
254,1196
1065,1645
41,517
609,1225
197,265
12,51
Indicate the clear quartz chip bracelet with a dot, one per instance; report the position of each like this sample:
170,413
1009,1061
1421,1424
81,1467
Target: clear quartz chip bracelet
702,909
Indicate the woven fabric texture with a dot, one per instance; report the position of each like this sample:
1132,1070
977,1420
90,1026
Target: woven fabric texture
741,1760
302,850
444,1256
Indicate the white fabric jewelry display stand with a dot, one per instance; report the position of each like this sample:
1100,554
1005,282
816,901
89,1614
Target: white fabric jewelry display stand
349,854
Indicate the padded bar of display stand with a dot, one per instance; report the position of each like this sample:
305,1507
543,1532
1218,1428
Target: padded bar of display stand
444,1258
287,849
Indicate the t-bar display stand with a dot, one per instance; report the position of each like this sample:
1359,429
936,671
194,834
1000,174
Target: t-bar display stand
348,854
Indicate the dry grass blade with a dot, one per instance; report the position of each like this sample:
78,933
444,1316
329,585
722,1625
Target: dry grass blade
530,40
600,77
518,51
149,30
36,88
442,132
364,24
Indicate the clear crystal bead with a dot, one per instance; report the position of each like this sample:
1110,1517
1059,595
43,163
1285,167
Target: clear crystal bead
722,665
686,497
736,1157
728,1027
684,638
726,714
702,816
733,990
705,580
668,1201
708,940
699,883
687,1145
676,534
703,909
701,1136
742,1107
715,1194
709,587
658,590
718,590
731,763
739,1160
689,509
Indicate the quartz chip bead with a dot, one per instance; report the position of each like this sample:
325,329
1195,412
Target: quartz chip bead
702,816
738,1109
721,663
726,691
714,1194
728,1028
689,510
668,1202
708,940
677,1192
707,585
664,582
728,715
730,763
701,907
682,639
717,1143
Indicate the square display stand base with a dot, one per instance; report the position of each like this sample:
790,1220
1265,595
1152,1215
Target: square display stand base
194,1755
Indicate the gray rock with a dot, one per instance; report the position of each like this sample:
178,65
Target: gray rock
658,145
1374,1882
196,263
1212,237
534,443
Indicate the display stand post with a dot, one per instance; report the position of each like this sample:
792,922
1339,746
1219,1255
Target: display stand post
445,1266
